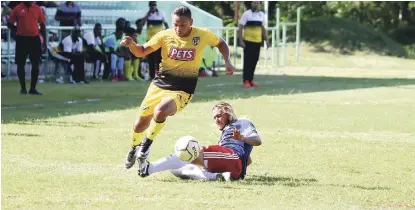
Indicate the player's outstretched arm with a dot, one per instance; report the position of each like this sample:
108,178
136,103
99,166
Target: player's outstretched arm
224,50
136,49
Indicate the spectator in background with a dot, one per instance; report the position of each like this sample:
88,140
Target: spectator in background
141,38
95,49
71,50
112,47
54,49
143,72
127,24
119,24
155,19
5,12
131,62
68,14
27,16
252,24
207,67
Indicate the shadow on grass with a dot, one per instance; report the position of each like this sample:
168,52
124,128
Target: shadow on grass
362,187
255,180
126,95
258,180
276,180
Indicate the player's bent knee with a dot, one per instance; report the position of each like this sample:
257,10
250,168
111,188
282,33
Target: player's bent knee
142,123
164,109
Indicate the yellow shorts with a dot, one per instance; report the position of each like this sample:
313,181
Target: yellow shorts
154,96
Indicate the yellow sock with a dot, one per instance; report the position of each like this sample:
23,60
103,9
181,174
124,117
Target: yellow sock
127,70
137,138
134,65
154,129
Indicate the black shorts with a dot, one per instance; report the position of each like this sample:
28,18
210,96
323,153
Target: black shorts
28,46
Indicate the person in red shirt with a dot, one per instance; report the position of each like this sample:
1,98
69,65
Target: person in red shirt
27,15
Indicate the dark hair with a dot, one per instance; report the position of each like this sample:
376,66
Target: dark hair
182,11
120,23
152,2
130,31
97,25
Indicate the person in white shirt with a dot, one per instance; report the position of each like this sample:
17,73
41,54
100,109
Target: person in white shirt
72,50
95,49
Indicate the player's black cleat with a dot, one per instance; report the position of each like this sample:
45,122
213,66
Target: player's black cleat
131,157
144,148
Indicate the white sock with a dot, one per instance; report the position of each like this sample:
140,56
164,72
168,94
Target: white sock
166,163
191,171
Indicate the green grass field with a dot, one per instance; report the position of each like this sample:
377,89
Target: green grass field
338,133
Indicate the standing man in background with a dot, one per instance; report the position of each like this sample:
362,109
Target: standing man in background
68,14
27,15
155,20
252,24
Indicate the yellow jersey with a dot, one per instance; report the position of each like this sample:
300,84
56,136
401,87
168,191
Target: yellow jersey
181,57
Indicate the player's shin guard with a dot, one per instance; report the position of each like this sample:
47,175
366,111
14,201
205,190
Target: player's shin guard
154,128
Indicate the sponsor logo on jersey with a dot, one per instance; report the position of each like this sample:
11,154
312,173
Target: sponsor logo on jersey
196,40
182,54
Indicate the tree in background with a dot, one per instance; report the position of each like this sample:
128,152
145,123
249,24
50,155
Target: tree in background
395,18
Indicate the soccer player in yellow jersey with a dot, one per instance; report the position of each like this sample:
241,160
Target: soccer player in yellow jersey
172,88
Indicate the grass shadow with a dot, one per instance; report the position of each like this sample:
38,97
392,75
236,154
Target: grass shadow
277,180
257,180
121,96
362,187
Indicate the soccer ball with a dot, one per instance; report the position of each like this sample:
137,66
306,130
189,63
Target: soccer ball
187,148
